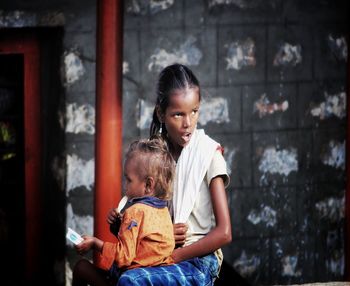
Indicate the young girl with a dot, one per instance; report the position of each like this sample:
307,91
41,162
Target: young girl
199,206
145,236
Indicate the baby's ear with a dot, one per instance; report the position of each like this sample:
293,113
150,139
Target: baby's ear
150,185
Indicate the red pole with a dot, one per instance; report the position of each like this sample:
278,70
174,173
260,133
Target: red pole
108,167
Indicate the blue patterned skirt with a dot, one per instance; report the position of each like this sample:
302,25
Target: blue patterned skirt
199,271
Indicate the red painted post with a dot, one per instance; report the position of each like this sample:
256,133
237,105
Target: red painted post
32,153
108,163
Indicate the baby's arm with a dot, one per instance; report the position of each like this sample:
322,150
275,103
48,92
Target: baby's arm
219,235
123,251
88,243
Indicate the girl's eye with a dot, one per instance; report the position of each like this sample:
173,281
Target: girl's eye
177,115
194,111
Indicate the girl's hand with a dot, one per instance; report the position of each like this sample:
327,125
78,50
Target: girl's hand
180,230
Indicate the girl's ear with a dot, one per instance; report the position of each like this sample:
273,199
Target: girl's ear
150,185
160,115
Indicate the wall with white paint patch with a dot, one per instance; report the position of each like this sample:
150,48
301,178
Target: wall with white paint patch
274,94
272,75
68,44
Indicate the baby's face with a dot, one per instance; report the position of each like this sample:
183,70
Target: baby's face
134,185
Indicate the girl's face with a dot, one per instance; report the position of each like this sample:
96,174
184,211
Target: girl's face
134,186
181,116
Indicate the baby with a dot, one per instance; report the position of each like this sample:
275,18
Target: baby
145,236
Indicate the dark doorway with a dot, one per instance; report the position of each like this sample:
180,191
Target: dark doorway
12,197
32,204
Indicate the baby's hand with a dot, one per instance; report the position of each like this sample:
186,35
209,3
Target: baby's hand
117,218
85,245
113,215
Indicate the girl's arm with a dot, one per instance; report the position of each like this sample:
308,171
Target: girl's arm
219,235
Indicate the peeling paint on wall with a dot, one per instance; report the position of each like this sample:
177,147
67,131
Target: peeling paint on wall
52,19
58,266
160,5
73,68
126,67
243,4
80,119
229,157
17,19
334,105
81,224
145,114
80,172
334,155
214,110
288,55
335,262
264,107
281,162
69,274
338,47
246,265
265,215
289,266
141,7
58,168
332,208
187,54
240,54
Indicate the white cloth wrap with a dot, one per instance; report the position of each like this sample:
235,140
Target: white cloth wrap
191,168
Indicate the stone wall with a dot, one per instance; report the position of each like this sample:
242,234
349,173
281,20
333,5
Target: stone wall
273,79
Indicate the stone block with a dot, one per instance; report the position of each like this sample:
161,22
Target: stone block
83,42
289,53
220,110
234,12
270,107
294,259
241,55
331,52
320,207
131,114
330,254
237,154
282,158
154,14
322,105
263,212
250,258
160,48
329,159
131,61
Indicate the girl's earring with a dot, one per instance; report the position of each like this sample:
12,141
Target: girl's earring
160,129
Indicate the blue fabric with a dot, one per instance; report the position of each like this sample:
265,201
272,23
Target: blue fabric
197,271
150,201
132,224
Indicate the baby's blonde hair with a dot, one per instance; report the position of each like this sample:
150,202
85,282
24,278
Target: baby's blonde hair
154,160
